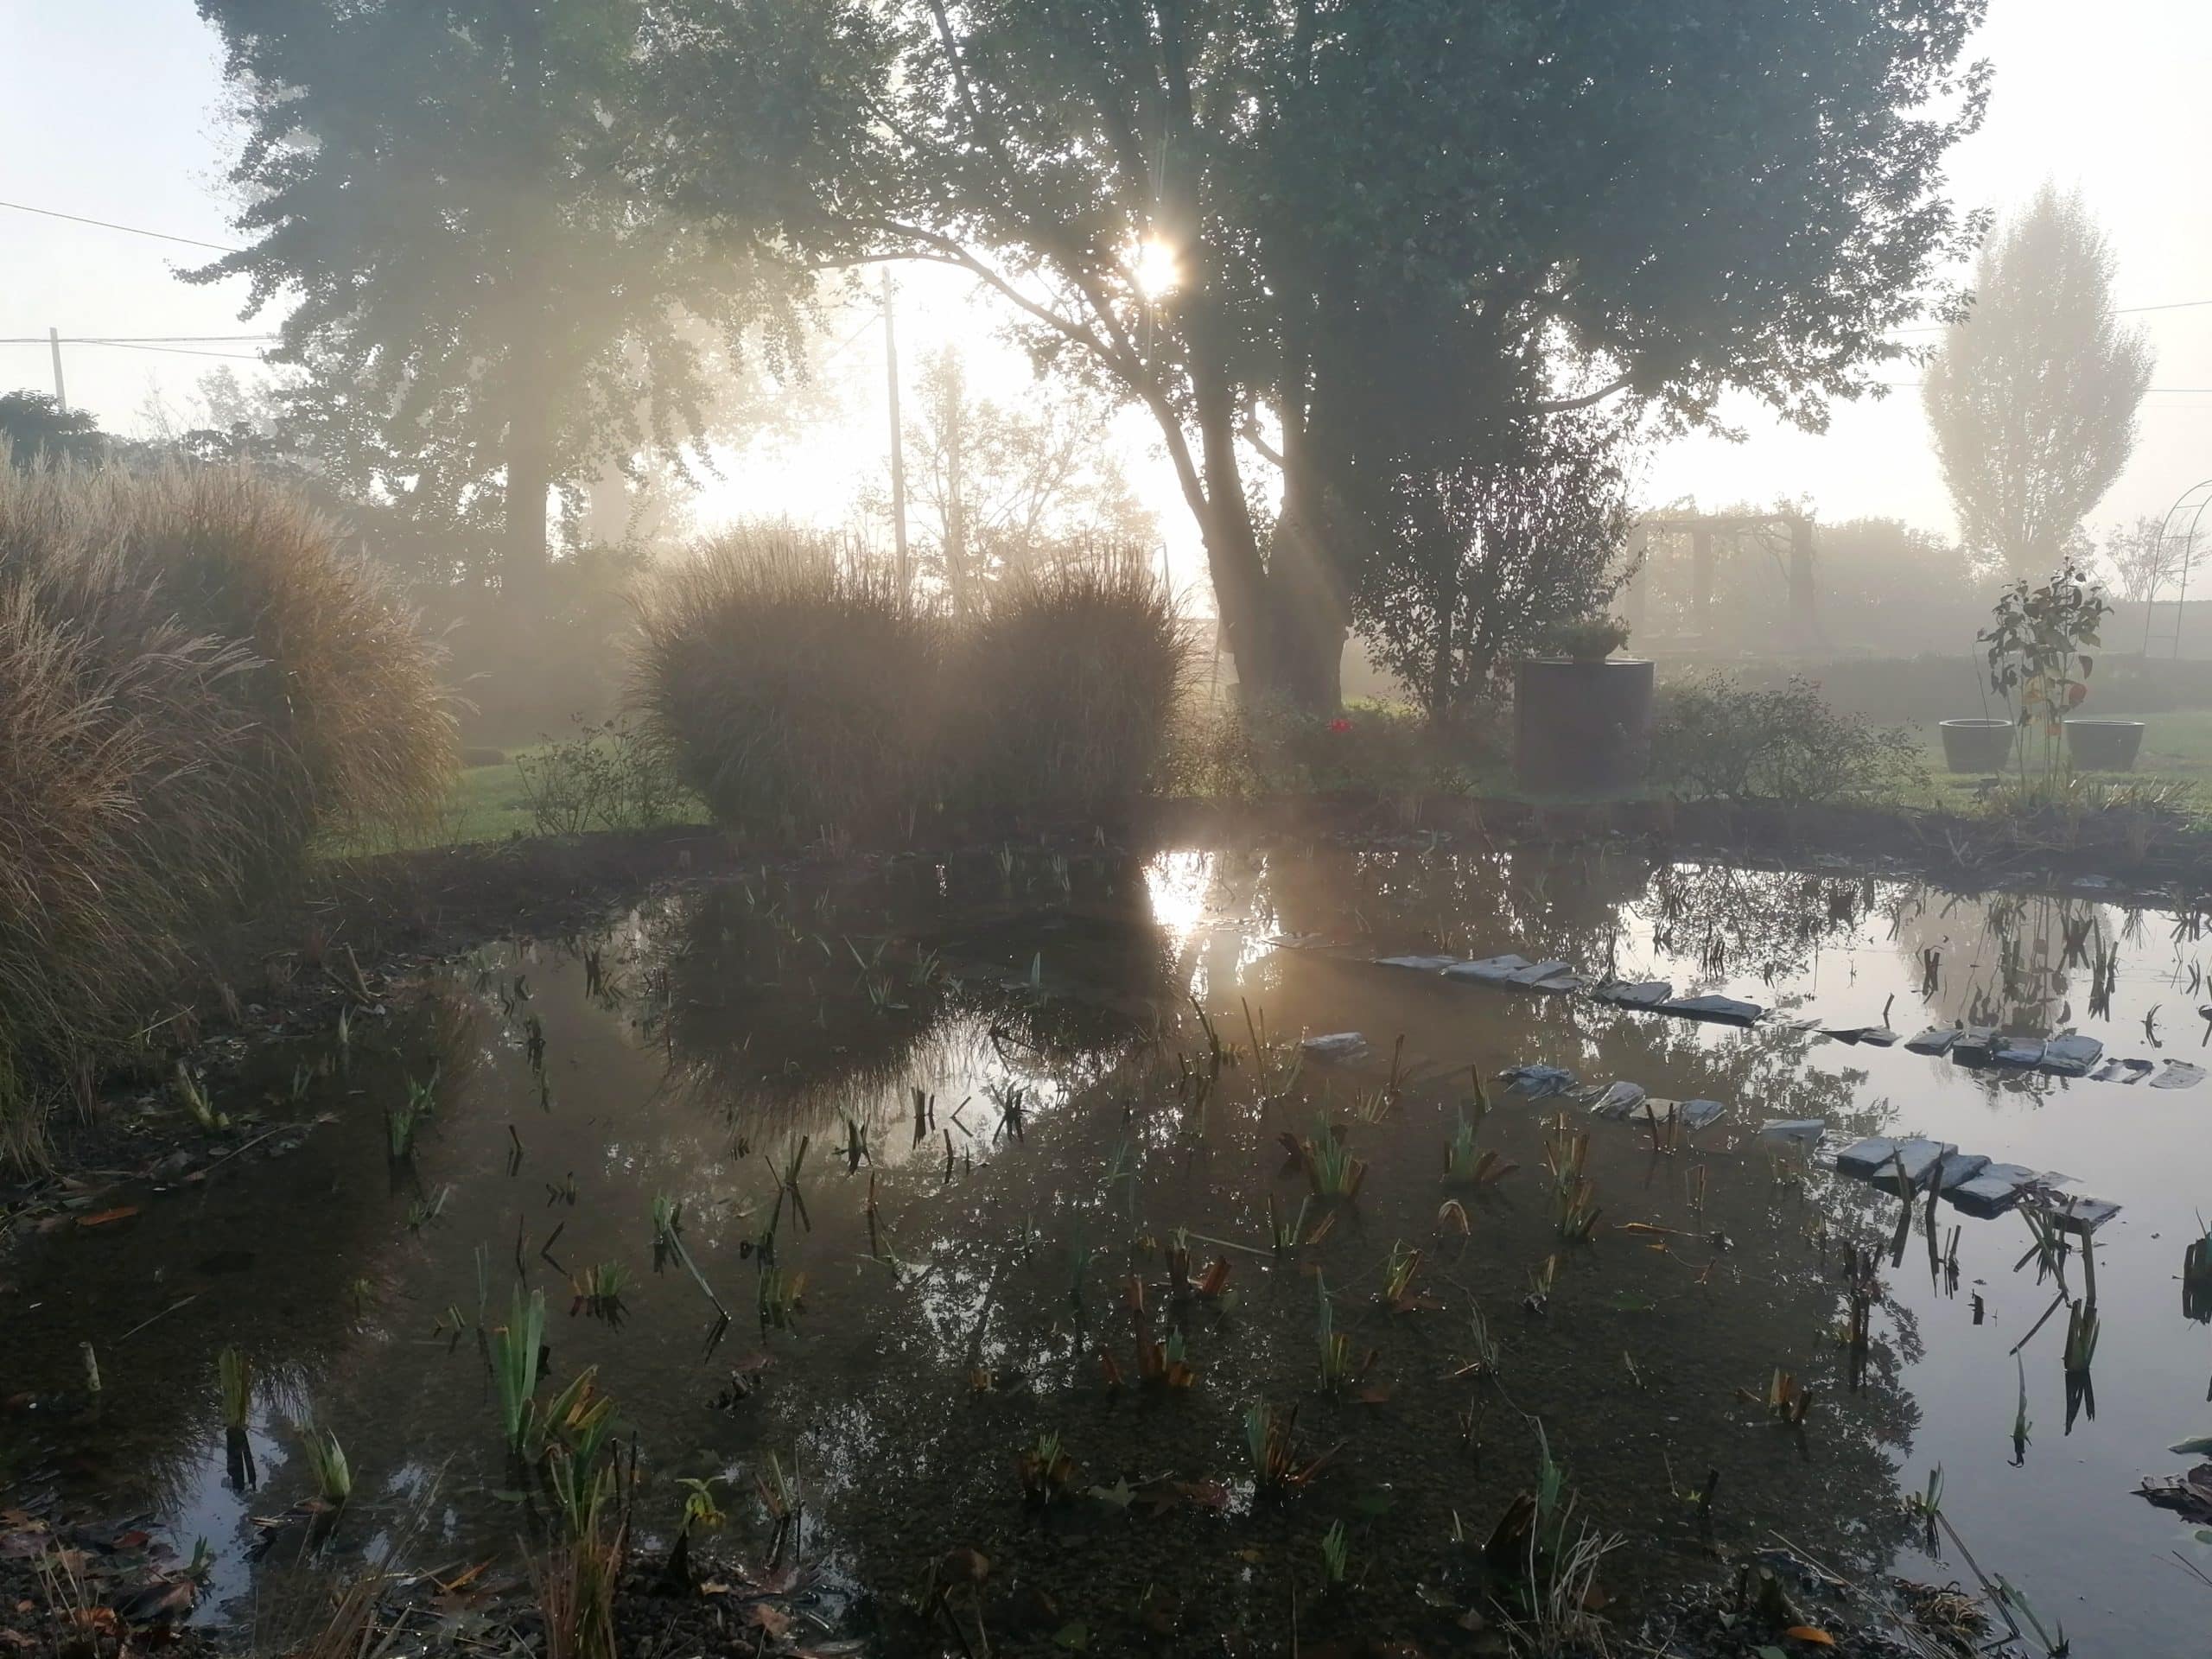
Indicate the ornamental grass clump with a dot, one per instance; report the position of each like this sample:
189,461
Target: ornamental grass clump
1062,688
196,680
789,685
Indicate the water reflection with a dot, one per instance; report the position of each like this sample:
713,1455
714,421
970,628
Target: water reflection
989,1063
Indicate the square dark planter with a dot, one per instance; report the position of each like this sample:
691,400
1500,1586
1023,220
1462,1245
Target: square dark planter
1581,727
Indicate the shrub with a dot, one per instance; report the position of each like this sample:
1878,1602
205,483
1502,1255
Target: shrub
1712,737
790,688
192,681
1061,691
609,776
1378,749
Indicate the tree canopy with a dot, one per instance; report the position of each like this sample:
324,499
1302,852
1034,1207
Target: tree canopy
490,302
1321,232
2033,394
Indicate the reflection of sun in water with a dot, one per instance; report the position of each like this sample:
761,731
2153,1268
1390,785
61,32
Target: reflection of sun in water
1157,267
1177,884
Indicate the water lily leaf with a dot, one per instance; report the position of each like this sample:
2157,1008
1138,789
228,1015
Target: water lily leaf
1074,1636
1119,1494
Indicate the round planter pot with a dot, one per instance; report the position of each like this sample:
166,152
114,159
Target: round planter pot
2103,745
1581,727
1977,745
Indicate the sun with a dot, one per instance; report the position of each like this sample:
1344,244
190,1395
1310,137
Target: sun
1157,267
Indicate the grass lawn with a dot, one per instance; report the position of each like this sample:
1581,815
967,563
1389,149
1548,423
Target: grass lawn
2176,749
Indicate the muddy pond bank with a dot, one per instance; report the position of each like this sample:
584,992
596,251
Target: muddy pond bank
968,1263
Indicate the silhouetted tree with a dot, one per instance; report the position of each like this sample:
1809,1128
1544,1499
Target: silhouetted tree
2145,561
35,429
1262,221
1475,561
489,305
2033,394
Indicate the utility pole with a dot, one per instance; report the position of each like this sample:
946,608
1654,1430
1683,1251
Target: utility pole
54,345
897,442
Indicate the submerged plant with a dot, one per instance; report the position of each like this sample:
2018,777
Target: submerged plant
1398,1271
235,1372
598,1291
193,1098
780,1296
515,1348
1335,1555
1045,1470
1333,1171
327,1466
1269,1435
1574,1207
1339,1369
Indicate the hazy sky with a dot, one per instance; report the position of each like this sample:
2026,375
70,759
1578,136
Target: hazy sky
110,109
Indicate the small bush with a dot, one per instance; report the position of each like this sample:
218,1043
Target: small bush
609,776
192,682
1371,749
1714,738
790,689
1062,691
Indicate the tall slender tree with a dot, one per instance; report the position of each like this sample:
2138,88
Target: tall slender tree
488,303
2033,394
1285,226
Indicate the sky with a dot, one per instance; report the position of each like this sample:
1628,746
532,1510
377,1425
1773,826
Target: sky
112,110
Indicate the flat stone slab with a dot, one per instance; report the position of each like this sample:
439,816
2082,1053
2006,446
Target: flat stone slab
1796,1131
2178,1074
1877,1158
2016,1051
1721,1010
1489,971
2122,1071
1972,1045
1546,976
1417,965
1937,1040
1537,1081
1634,992
1873,1036
2083,1216
1958,1169
1995,1188
1336,1047
2072,1055
1619,1100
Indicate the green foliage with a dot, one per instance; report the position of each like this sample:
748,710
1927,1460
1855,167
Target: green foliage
2034,648
35,430
1219,749
608,776
515,1348
1712,737
1588,639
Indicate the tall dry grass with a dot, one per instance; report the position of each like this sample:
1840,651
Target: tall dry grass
195,681
790,689
1062,689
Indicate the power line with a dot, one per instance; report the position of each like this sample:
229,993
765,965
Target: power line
128,339
135,346
2118,310
109,225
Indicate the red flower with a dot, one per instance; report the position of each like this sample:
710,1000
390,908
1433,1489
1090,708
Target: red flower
1340,724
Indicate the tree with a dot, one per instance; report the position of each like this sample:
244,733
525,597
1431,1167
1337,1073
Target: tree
35,429
2145,561
489,304
1001,486
1271,223
2032,396
1477,560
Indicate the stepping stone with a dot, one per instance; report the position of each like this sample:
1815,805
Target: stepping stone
1417,965
1937,1040
1996,1189
2121,1071
1867,1157
1546,976
1489,971
1721,1010
1634,992
1795,1022
1690,1114
1873,1036
2072,1055
1958,1169
2016,1051
2178,1074
2083,1216
1972,1046
1335,1048
1538,1081
1804,1132
1620,1100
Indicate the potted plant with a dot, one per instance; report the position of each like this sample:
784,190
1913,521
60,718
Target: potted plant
1581,715
2034,645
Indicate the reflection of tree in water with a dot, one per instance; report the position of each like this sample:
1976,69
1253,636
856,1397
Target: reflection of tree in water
2032,963
1764,924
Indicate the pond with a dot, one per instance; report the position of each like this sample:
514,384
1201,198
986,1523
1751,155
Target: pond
997,1082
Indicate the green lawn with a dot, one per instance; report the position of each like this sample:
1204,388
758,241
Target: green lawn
2176,748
